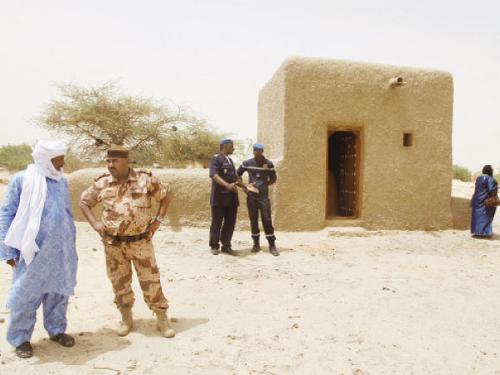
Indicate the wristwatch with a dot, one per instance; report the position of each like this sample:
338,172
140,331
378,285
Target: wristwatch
159,219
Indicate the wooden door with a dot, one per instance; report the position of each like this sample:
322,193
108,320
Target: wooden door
344,149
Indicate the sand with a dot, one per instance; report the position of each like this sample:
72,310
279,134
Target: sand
337,301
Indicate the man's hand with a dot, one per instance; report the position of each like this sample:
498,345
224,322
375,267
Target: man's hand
153,227
251,187
232,187
12,263
99,228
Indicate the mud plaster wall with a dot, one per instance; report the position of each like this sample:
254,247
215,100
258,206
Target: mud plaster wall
461,212
190,196
400,187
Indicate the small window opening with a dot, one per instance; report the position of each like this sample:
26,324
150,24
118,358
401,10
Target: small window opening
407,139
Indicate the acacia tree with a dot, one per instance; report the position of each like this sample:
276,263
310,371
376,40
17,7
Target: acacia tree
95,118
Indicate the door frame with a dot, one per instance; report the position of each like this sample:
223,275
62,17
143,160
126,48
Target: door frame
358,132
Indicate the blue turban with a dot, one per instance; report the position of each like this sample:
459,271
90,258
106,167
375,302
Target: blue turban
226,141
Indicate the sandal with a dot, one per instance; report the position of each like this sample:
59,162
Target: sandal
64,340
24,350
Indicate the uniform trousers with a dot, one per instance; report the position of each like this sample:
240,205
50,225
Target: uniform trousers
222,226
260,205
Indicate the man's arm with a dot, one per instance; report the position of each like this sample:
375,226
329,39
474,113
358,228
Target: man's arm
218,179
89,215
7,214
162,210
88,200
213,174
161,193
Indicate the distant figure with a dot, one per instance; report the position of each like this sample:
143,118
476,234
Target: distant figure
482,216
262,175
223,198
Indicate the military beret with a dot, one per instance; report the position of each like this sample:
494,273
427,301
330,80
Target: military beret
117,151
226,141
258,146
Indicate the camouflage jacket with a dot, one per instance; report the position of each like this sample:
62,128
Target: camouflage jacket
127,207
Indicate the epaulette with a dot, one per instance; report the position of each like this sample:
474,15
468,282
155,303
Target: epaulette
145,171
101,176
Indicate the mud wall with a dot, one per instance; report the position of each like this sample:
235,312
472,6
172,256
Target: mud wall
190,196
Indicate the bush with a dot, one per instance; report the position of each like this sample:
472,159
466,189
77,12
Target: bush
461,173
73,162
192,145
15,157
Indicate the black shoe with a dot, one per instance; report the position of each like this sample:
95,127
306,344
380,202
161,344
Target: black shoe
228,251
273,250
214,251
24,350
63,339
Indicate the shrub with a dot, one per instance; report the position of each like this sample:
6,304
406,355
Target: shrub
461,173
15,157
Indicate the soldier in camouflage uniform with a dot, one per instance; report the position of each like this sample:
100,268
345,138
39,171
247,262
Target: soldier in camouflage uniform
126,229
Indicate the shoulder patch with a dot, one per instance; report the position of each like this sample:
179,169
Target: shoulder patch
101,176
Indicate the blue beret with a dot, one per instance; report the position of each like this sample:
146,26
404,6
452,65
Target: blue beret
226,141
258,146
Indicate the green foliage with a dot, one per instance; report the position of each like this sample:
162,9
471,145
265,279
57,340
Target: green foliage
461,173
15,157
193,144
95,118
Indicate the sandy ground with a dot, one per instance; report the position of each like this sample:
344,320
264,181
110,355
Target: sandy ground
338,301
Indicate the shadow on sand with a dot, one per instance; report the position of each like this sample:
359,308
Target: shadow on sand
243,253
90,345
147,327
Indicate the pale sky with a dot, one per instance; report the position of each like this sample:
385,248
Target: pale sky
215,56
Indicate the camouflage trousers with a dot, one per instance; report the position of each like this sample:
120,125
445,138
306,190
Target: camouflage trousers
119,259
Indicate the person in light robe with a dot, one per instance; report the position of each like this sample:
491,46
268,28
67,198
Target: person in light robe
37,240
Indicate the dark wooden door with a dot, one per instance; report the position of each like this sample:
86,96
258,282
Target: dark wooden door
344,148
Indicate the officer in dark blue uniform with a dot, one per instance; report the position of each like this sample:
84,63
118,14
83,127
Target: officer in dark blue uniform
261,174
224,198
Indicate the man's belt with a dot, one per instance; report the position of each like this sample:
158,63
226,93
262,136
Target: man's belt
128,239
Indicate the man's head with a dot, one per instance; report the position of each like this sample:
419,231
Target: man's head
118,160
49,157
58,162
488,169
258,150
227,146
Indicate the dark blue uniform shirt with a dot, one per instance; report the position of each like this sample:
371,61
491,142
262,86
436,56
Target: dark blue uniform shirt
262,176
224,167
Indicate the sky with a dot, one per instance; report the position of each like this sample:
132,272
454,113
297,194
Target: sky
215,56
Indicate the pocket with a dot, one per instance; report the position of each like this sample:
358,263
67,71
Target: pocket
107,197
141,198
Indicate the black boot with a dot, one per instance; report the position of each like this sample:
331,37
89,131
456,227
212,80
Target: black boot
228,250
256,244
272,248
